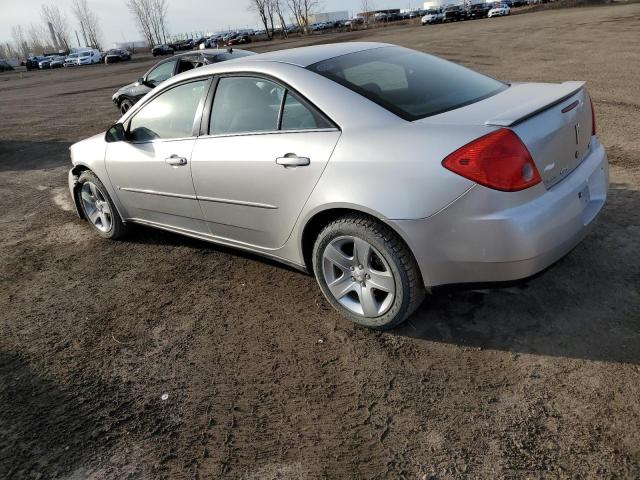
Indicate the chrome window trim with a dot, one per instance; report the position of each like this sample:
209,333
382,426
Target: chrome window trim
269,132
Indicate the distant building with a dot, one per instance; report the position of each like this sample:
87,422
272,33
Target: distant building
328,16
130,45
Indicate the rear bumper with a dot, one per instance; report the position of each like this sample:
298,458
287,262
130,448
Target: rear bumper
487,236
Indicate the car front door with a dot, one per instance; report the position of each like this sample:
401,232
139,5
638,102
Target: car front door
263,152
151,170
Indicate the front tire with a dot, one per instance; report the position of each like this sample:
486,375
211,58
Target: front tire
366,272
98,208
125,105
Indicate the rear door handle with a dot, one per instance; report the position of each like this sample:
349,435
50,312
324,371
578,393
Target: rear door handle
292,160
175,160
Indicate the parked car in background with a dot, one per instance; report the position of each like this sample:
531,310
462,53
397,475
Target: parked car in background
432,16
128,95
453,13
384,171
117,55
45,63
57,62
478,10
499,11
88,57
33,63
354,22
71,60
239,40
4,66
162,50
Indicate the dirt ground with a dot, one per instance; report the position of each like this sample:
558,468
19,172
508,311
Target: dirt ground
264,380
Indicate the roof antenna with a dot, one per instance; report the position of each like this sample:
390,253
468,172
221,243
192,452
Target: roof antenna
230,50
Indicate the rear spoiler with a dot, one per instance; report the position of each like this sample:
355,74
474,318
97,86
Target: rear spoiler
544,98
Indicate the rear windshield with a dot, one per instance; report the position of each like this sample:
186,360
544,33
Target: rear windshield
410,84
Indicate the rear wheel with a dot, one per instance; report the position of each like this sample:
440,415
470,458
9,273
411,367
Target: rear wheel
98,208
367,272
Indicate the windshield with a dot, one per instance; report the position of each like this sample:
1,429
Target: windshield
410,84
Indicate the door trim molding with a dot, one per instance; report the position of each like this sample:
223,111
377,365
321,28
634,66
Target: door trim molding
204,199
155,192
238,202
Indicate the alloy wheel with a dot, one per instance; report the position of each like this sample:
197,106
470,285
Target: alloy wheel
96,207
358,276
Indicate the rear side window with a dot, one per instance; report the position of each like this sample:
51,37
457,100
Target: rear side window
297,116
410,84
245,104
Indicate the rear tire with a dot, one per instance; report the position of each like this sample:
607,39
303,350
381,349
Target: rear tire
367,272
98,208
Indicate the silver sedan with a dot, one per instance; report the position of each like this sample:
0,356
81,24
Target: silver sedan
382,170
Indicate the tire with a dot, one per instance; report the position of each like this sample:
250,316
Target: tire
103,217
125,105
389,263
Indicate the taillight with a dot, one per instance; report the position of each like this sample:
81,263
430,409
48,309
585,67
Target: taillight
498,160
593,118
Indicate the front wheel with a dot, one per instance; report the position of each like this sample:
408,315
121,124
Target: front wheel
98,208
125,105
367,272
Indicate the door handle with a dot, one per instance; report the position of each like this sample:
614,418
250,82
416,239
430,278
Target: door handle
292,160
175,160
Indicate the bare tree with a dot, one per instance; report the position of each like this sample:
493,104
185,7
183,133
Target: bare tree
151,18
52,16
367,7
19,40
261,7
277,9
301,11
89,23
38,39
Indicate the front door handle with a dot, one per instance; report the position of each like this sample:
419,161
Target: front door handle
175,160
292,160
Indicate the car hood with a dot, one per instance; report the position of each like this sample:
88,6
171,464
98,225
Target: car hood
127,87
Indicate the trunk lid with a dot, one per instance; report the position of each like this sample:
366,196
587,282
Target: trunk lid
552,120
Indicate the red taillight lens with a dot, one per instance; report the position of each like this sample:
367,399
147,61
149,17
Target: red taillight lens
593,118
498,160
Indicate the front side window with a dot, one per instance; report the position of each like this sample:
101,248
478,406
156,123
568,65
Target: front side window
245,104
169,115
161,73
410,84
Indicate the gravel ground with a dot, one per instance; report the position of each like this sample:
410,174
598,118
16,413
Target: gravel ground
165,357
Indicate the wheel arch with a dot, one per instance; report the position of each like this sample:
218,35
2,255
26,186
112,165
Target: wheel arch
318,219
74,175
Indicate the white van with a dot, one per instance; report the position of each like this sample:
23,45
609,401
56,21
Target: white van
88,57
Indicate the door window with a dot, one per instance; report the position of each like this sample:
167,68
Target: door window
169,115
249,104
245,104
161,73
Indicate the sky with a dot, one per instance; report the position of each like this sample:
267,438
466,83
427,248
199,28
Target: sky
184,15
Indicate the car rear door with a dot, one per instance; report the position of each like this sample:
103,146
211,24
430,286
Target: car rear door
263,150
151,170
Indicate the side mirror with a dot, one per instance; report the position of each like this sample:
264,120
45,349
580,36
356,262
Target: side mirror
115,134
142,81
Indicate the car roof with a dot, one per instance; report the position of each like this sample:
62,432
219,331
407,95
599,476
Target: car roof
305,56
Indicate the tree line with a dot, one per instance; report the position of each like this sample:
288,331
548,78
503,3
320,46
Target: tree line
55,33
